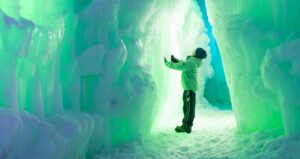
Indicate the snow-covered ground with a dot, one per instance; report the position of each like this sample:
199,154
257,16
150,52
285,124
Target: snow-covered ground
214,136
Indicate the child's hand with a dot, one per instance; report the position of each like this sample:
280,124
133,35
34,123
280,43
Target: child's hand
174,59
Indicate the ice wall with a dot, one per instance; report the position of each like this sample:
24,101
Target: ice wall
79,76
34,123
220,98
258,43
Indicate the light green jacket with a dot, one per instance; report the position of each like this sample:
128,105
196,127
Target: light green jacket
189,72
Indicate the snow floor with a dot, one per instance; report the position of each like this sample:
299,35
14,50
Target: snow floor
214,136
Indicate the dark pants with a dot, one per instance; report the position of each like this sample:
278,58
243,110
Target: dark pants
189,102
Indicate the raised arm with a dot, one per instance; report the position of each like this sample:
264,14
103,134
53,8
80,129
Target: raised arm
181,66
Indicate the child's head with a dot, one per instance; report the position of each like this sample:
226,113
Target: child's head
200,53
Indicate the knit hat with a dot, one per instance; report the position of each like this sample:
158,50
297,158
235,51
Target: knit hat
201,53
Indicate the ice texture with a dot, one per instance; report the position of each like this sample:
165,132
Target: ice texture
220,98
80,76
258,45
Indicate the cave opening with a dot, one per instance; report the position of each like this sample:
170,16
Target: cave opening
212,98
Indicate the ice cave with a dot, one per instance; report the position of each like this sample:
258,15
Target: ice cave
86,79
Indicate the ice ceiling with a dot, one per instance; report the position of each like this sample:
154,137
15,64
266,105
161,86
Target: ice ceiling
90,72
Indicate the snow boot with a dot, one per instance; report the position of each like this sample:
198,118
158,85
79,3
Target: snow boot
180,129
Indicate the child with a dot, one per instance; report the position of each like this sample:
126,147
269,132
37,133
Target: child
189,83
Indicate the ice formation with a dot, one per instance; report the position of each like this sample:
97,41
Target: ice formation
220,98
259,44
81,76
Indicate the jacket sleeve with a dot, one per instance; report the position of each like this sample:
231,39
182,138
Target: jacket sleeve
181,66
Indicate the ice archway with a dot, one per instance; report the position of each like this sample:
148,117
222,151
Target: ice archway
90,72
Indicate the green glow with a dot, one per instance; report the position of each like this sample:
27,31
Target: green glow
255,42
181,32
170,106
59,56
